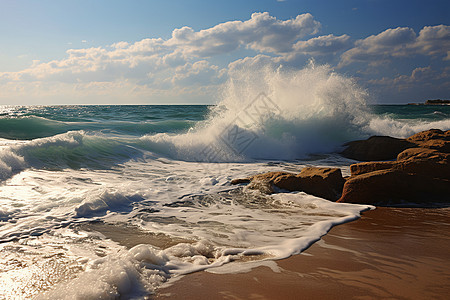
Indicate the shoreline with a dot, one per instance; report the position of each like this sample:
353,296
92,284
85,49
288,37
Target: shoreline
388,253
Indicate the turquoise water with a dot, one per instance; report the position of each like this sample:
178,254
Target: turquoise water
428,113
30,122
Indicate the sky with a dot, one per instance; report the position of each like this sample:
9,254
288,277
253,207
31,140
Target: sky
181,52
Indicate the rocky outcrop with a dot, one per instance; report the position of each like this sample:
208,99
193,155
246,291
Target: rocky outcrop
432,139
388,148
376,148
420,174
321,182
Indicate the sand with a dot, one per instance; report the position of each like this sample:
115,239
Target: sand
390,253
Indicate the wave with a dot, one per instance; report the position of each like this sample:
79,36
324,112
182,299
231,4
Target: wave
280,114
30,127
284,114
33,127
74,150
403,128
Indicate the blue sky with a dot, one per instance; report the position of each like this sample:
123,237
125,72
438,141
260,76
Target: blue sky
156,52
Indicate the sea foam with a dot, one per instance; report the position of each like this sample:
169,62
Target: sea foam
278,113
269,113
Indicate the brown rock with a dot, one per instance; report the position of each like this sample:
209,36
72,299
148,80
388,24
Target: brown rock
322,182
394,186
432,134
420,174
367,167
376,148
240,180
441,145
265,182
269,176
432,139
421,153
288,182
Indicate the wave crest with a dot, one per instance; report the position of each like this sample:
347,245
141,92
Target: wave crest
269,113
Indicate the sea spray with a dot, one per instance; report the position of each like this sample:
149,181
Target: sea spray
275,113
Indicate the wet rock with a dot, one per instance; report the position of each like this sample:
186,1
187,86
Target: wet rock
376,148
392,186
321,182
420,174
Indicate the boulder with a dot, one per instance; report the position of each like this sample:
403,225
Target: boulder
367,167
240,180
391,186
423,161
321,182
376,148
420,174
427,135
266,182
432,139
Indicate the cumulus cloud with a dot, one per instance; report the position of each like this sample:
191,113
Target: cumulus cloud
262,32
422,83
183,64
434,40
323,45
399,42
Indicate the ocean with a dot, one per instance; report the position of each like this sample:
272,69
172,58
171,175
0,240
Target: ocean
106,202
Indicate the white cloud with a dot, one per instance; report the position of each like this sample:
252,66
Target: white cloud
434,40
391,42
182,67
422,83
399,42
262,32
158,64
323,45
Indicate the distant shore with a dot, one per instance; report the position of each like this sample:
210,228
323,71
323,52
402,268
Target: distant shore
389,253
433,102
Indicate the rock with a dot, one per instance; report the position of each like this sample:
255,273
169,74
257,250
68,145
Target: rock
432,134
432,139
420,174
288,182
373,187
421,153
367,167
240,180
394,186
376,148
321,182
265,182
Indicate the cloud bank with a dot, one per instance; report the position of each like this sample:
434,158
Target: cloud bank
184,68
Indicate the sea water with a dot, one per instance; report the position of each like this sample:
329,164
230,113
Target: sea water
113,201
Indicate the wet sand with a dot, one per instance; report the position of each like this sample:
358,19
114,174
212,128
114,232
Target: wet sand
390,253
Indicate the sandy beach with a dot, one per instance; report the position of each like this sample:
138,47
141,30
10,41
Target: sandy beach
390,253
